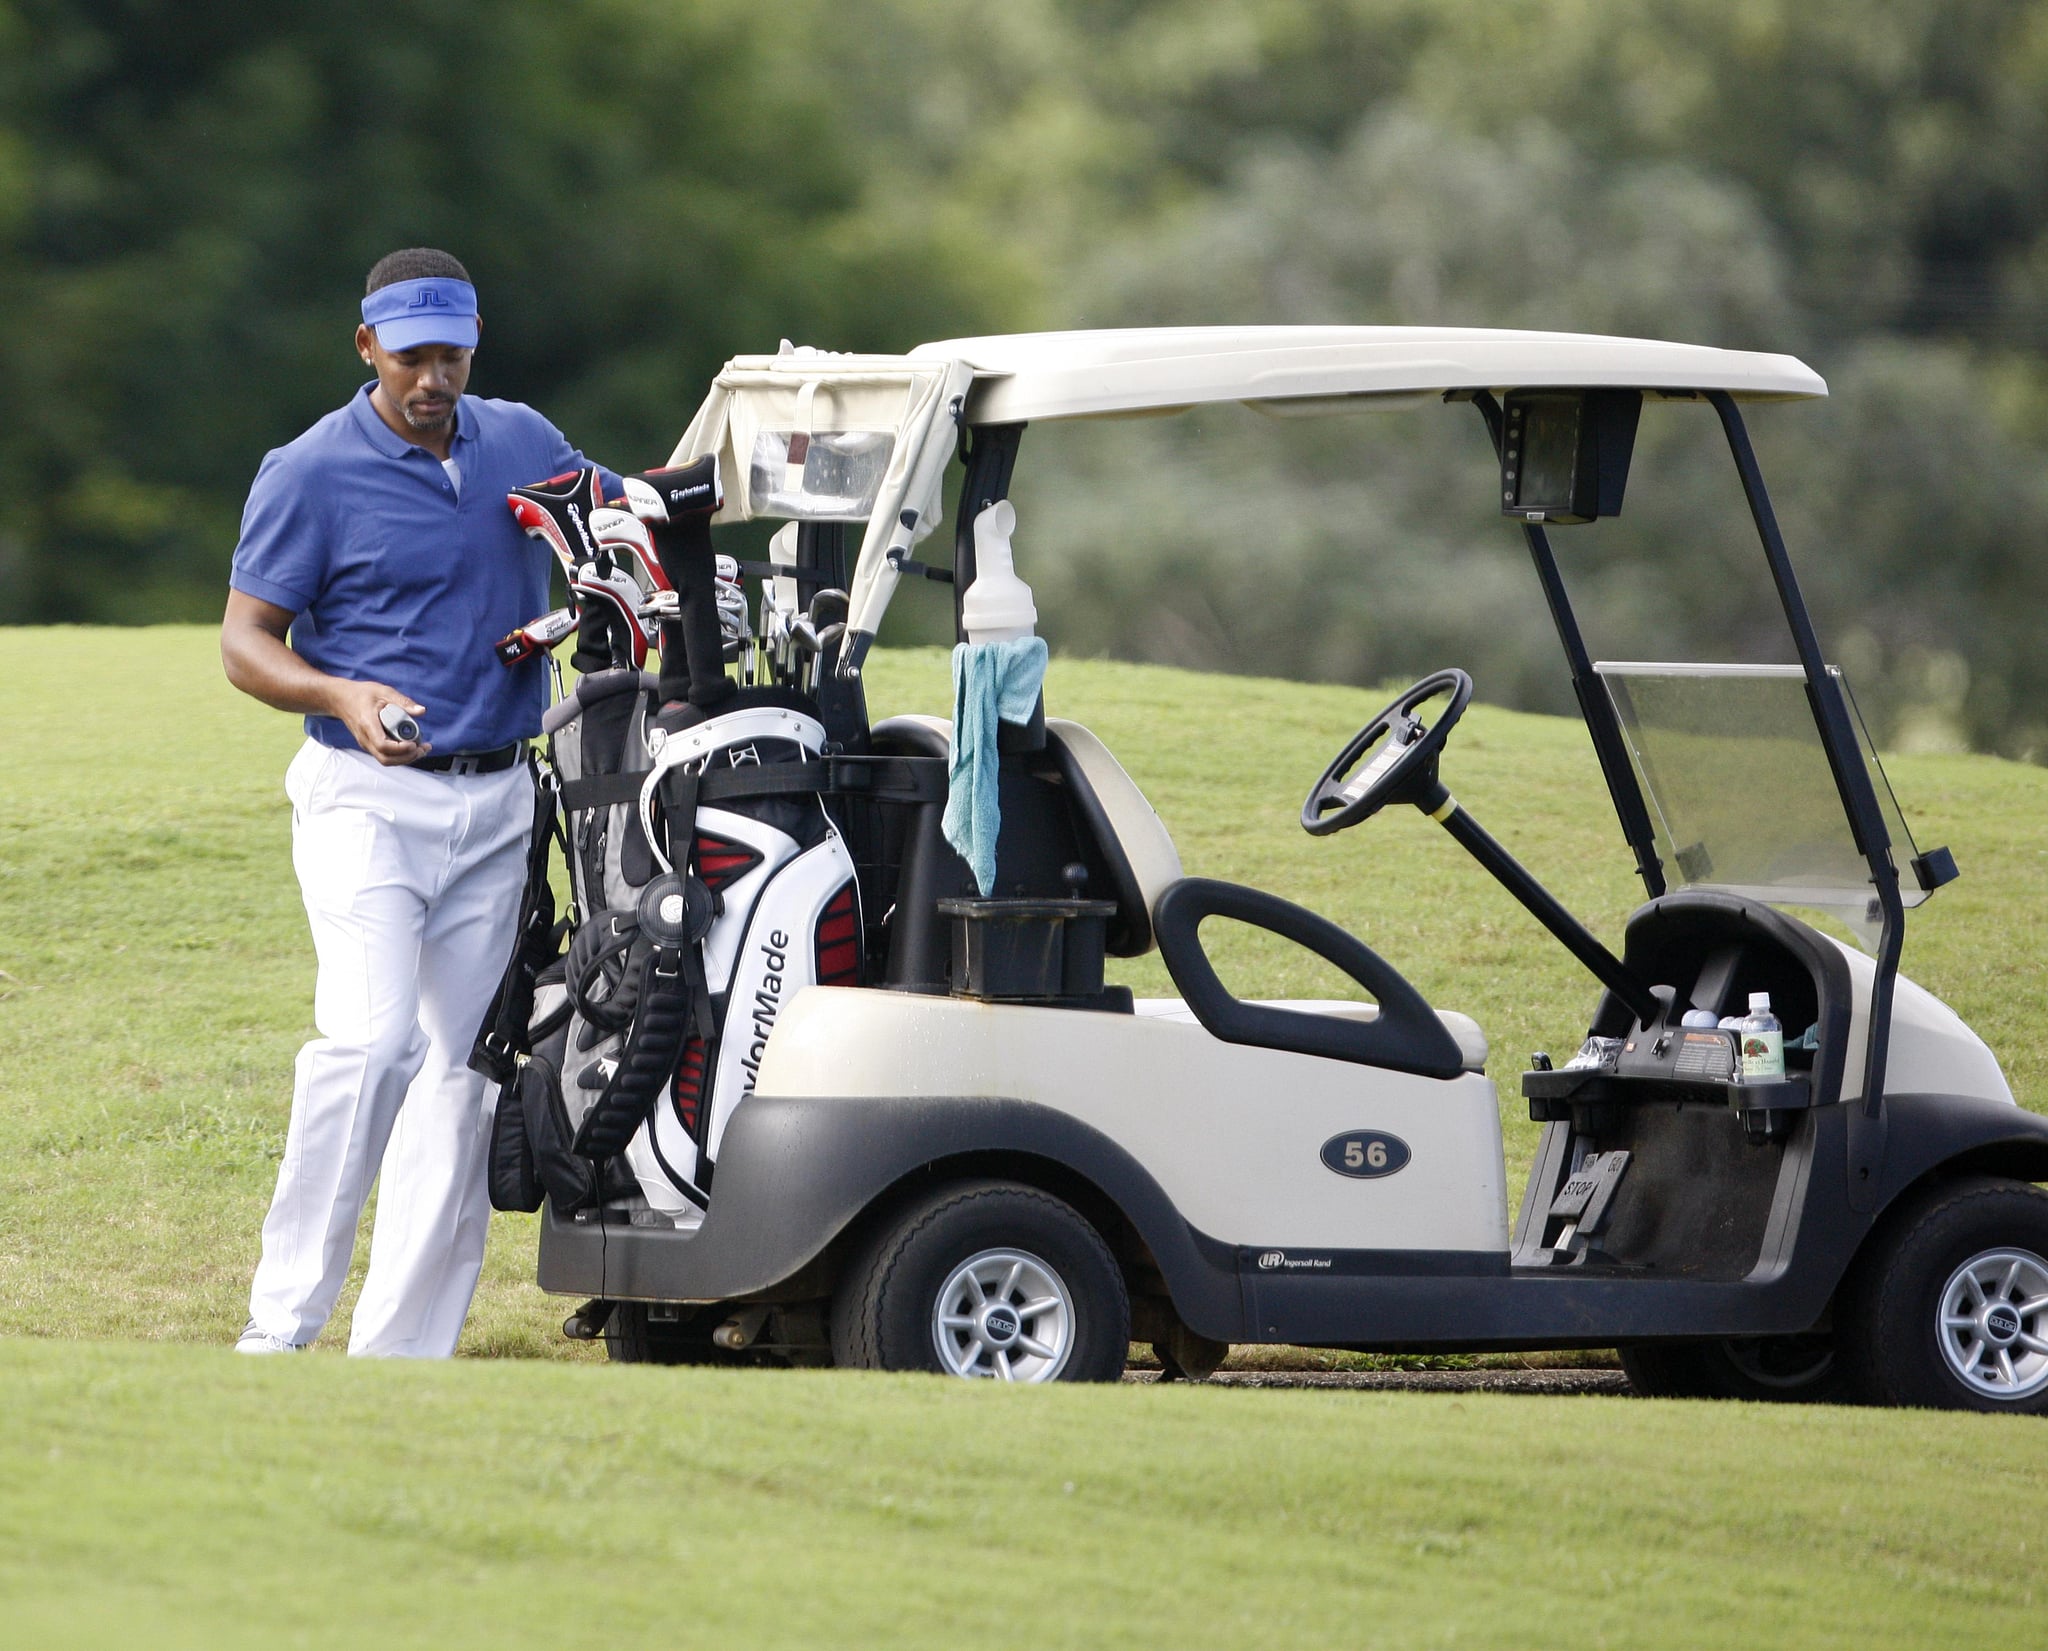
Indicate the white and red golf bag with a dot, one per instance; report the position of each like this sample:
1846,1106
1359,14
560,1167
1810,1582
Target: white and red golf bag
710,885
709,882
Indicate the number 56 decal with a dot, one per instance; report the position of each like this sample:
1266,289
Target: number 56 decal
1365,1154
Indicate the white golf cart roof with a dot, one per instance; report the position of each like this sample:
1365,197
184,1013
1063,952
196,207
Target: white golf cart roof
1026,376
809,435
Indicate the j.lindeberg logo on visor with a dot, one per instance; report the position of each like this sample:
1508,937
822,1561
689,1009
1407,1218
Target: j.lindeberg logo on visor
428,298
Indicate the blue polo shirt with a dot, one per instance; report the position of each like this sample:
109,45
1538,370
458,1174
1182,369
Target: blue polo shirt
395,575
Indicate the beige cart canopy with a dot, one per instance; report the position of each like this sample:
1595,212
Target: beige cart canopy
808,435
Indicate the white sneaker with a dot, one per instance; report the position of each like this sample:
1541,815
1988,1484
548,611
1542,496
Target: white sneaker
253,1340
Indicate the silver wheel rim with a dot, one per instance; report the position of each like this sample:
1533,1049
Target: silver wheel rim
1993,1324
1003,1315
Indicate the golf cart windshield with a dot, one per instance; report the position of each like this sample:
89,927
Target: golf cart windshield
1739,787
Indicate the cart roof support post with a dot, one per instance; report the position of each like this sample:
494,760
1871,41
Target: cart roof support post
1859,800
820,560
989,454
1594,705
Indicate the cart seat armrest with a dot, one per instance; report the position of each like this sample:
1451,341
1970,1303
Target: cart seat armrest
1406,1035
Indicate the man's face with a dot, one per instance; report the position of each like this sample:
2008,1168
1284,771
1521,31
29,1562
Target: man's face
422,384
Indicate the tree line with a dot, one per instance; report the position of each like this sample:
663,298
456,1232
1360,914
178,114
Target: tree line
190,192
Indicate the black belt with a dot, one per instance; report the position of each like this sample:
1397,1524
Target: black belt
474,762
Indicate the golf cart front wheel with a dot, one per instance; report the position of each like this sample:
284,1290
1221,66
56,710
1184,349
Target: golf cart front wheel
1950,1310
985,1279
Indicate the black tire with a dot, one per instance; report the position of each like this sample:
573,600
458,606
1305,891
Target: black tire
886,1314
1766,1369
632,1337
1893,1333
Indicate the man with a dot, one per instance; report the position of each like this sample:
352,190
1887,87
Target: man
380,543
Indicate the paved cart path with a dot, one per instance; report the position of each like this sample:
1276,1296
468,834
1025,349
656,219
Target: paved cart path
1611,1382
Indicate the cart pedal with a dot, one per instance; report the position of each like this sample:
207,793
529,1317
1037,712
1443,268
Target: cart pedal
1580,1206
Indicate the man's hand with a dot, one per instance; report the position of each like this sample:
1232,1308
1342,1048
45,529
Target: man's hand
258,661
358,705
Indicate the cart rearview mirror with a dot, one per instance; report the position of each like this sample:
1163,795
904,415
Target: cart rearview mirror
1564,453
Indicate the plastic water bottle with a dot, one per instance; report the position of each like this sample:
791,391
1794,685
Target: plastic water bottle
1763,1042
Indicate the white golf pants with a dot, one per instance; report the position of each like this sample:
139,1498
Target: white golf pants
412,883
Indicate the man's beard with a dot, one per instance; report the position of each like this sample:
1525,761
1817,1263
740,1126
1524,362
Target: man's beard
427,423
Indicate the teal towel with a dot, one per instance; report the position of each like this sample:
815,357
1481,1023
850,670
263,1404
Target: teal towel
991,680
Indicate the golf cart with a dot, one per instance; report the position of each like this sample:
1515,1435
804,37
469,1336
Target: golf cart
910,1127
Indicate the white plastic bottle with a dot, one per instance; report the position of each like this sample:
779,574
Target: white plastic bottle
998,606
1763,1042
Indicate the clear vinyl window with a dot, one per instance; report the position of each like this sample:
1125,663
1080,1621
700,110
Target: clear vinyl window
829,476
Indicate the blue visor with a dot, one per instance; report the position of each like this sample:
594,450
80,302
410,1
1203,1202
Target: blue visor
434,309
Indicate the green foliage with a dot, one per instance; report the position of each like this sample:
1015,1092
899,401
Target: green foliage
1895,148
1859,186
1915,499
189,195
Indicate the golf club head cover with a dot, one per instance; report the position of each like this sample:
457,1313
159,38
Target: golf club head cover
614,596
686,492
628,540
677,505
557,512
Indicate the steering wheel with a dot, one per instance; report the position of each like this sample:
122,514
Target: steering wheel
1401,770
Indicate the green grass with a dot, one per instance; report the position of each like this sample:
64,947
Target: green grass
180,1497
158,978
155,981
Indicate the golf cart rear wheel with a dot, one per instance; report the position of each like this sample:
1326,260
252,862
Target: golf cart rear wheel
1950,1309
988,1279
1777,1369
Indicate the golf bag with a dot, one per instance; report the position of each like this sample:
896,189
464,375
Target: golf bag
710,885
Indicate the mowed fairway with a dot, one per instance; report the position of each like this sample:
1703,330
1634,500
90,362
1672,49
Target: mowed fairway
157,980
180,1497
